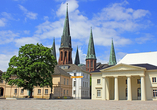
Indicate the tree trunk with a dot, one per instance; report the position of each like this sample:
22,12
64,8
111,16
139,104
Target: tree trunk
31,93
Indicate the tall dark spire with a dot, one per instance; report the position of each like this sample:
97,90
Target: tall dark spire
112,60
77,59
54,49
66,38
91,50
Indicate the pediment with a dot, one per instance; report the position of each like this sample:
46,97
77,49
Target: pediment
121,66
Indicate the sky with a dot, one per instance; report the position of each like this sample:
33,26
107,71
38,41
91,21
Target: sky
132,25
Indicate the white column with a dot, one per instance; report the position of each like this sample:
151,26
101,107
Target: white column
143,92
129,88
104,88
116,94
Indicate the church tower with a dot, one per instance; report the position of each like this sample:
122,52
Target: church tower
91,57
77,59
54,49
112,60
65,49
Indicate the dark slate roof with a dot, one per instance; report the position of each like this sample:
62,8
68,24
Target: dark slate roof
59,71
98,70
147,66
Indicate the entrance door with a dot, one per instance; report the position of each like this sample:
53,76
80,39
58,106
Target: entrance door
1,91
139,93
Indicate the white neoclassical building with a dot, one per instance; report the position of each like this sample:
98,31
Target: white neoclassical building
134,78
80,86
125,82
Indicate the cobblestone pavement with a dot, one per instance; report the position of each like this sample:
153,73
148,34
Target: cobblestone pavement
76,105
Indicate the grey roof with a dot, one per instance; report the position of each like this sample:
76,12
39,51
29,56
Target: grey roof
73,67
59,71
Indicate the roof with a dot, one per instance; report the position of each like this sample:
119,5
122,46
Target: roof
77,59
54,49
112,60
91,49
59,71
147,66
140,58
73,67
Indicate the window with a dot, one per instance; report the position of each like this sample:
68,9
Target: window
153,79
139,92
1,81
87,84
15,91
98,93
46,91
39,91
138,81
83,84
22,90
67,81
126,81
64,81
155,93
64,92
74,83
88,63
98,81
74,92
91,63
74,74
67,92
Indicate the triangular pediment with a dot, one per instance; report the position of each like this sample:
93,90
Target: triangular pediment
121,66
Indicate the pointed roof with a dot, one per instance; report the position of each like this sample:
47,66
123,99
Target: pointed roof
66,38
91,50
54,49
77,59
112,60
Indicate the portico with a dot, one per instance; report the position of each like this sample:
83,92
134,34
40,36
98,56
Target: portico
121,82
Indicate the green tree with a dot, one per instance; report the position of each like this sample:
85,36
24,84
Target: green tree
34,66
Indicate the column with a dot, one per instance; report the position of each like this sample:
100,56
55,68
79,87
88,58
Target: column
143,92
116,94
104,88
129,88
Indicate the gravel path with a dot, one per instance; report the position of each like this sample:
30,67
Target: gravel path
76,105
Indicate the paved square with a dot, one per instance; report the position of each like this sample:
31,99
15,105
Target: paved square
76,105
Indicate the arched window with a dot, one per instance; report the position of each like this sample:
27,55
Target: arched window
65,54
69,55
61,56
88,63
92,63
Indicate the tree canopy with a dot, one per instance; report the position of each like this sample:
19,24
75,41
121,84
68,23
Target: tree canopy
33,66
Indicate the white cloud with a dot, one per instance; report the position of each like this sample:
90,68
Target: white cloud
46,18
146,37
26,40
26,31
2,22
7,36
7,15
28,14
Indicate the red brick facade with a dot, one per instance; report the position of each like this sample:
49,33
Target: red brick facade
90,65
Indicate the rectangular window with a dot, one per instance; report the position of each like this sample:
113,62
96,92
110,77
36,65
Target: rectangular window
15,91
91,63
98,93
98,81
126,81
74,74
64,81
155,93
67,81
153,79
67,92
88,63
74,92
64,92
22,90
83,84
138,81
39,91
46,91
74,83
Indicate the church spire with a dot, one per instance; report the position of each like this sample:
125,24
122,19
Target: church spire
54,49
66,38
91,50
91,57
77,59
112,60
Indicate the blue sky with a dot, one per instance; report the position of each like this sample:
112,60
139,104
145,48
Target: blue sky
131,23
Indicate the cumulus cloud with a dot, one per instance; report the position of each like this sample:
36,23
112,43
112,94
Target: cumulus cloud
2,22
26,31
28,14
146,37
7,36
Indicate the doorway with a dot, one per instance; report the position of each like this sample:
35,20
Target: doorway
139,94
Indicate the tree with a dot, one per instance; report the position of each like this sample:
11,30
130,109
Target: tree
34,66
